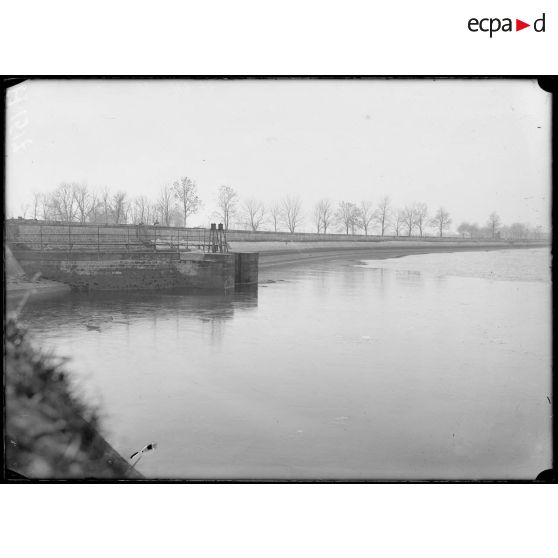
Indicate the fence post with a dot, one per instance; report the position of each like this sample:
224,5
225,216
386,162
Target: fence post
69,237
98,239
128,245
41,235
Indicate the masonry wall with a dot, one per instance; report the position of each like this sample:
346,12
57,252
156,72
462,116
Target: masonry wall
120,271
246,268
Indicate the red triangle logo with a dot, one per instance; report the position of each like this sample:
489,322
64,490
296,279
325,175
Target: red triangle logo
519,25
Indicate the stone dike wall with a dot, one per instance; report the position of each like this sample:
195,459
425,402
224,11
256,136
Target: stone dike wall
121,271
49,235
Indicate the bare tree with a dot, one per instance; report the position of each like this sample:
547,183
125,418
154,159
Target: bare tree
365,215
186,192
227,200
36,204
399,221
317,217
83,200
254,213
323,214
141,210
46,209
441,221
409,218
63,203
106,205
421,217
518,230
383,214
291,206
153,216
494,223
275,214
95,207
119,207
347,215
164,205
327,214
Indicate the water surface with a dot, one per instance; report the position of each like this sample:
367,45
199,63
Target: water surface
427,366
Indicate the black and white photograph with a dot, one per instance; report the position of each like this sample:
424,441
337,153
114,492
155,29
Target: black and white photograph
278,279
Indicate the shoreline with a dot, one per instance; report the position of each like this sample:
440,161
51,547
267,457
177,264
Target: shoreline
17,287
293,256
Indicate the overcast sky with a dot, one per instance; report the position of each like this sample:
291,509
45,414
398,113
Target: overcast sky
471,146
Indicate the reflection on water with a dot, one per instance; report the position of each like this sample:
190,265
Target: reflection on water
332,370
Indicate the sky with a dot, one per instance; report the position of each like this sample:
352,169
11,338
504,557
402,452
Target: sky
471,146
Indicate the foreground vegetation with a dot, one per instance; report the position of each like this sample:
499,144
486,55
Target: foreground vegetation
50,431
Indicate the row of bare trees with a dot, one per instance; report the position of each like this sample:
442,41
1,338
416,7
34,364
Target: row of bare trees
383,218
72,201
496,230
177,202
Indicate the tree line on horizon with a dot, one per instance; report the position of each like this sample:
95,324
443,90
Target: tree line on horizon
175,204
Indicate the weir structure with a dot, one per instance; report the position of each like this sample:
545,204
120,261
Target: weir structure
115,257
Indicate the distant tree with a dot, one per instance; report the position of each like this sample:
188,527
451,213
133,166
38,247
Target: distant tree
24,207
399,221
253,213
464,229
84,201
106,205
493,223
518,231
323,213
383,214
227,200
347,216
153,214
474,230
175,216
365,215
441,221
141,210
63,202
486,232
46,209
95,209
291,212
186,192
36,198
119,207
317,217
326,210
165,205
275,212
421,217
409,218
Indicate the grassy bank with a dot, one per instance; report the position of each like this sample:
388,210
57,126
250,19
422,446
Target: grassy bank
50,432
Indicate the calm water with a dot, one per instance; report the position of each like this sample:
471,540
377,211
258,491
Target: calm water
427,366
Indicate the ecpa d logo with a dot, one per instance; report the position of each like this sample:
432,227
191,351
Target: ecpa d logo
492,25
